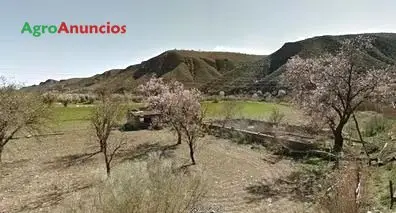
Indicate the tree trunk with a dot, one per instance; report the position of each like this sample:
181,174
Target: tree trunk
106,158
190,144
338,140
179,137
101,146
1,151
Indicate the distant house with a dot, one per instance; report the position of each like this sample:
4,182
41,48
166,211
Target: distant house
141,119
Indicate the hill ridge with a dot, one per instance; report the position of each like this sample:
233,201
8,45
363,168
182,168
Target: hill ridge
227,71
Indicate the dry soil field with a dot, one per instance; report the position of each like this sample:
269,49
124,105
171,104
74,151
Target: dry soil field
46,174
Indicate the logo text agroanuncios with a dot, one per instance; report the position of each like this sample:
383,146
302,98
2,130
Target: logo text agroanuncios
64,28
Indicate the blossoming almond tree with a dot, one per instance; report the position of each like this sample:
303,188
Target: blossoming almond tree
159,98
331,87
179,107
189,117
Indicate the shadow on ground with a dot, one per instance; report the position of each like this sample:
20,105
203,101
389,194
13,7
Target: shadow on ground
139,152
299,190
143,150
70,160
51,198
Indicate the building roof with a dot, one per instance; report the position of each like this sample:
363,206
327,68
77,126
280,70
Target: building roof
139,113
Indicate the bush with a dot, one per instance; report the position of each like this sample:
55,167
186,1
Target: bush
376,125
148,187
276,116
132,125
342,196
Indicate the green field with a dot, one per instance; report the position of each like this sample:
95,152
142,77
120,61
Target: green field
76,116
245,109
73,114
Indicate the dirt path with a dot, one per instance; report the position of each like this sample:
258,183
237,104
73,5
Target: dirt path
239,174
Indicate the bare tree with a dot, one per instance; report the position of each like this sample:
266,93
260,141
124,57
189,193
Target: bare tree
104,118
331,87
19,112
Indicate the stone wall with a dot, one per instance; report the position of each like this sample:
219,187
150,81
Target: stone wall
267,140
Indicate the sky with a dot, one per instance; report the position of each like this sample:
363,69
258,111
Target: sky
154,26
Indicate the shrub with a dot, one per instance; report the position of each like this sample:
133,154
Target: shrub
376,125
148,187
276,116
132,125
346,193
231,109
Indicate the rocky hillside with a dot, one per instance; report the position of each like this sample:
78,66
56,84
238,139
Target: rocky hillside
263,74
230,72
193,68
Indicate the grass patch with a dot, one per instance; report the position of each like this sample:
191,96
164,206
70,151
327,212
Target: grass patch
249,109
378,184
78,116
376,125
72,113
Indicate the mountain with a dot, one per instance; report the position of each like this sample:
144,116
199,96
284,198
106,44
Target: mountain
223,71
263,74
193,68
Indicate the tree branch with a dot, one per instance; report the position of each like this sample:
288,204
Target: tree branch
360,135
114,151
337,110
6,139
